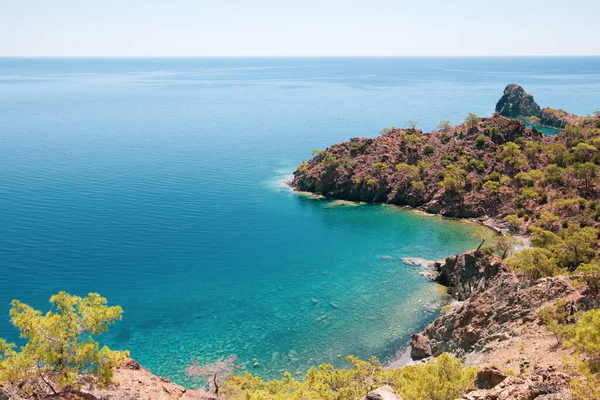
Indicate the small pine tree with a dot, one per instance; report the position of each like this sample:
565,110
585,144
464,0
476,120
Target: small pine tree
60,345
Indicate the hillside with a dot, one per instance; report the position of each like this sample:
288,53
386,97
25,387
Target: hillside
491,166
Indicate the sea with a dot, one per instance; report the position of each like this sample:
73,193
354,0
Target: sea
160,184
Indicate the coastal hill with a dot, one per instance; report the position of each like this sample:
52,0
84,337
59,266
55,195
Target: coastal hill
492,166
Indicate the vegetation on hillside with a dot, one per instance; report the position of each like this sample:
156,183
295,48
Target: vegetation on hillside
486,166
441,379
546,187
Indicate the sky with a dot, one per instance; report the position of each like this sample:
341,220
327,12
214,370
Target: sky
237,28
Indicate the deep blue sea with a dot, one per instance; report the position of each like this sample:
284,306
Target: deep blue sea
158,184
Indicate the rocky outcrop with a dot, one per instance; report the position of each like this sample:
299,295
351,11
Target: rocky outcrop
489,377
558,118
494,300
132,382
515,102
468,273
545,386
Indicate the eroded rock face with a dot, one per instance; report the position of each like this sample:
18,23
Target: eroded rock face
553,386
468,273
495,301
558,118
515,102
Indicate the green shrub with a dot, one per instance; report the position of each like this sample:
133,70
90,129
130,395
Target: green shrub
535,263
480,141
513,222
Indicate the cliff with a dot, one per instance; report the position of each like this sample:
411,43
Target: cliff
495,327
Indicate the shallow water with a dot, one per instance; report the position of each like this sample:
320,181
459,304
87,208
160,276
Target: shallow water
158,183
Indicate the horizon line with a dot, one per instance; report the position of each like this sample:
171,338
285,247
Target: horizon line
296,56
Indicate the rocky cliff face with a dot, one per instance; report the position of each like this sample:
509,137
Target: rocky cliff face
496,322
558,118
494,300
515,102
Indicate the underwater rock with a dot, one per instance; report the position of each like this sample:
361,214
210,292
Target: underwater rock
293,355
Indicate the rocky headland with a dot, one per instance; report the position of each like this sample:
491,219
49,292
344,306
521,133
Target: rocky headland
483,168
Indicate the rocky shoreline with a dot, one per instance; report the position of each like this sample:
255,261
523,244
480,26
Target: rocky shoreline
494,322
498,173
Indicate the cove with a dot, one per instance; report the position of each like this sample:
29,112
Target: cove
157,183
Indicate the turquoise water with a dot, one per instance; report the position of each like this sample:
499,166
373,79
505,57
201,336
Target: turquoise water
158,183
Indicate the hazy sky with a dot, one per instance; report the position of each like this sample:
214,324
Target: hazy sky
300,28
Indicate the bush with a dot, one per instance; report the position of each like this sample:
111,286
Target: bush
330,161
480,141
535,263
428,150
440,379
513,222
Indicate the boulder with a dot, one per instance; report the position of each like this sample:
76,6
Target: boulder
383,393
420,347
131,364
489,378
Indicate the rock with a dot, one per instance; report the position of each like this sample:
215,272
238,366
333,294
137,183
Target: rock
131,364
558,118
335,305
383,393
515,102
420,347
466,274
489,378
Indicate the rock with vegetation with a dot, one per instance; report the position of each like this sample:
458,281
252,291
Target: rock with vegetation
515,102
